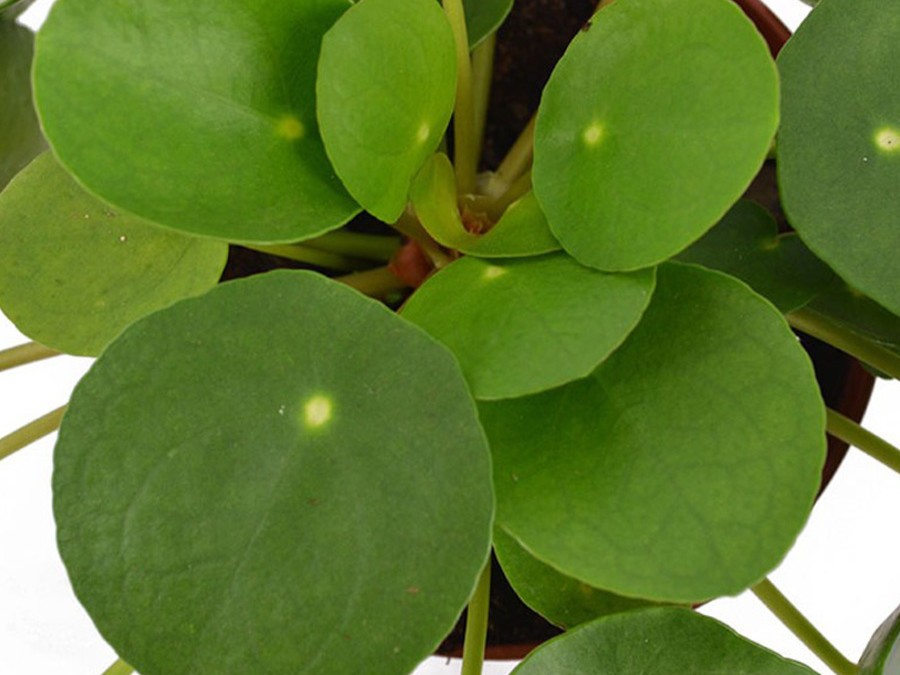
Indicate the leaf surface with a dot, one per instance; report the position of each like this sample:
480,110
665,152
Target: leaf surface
483,17
882,655
74,272
279,476
196,115
653,123
684,467
839,142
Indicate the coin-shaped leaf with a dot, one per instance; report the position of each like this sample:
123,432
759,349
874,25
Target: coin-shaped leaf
659,641
279,476
882,654
560,599
196,115
652,125
74,271
684,467
746,244
522,325
386,87
20,134
839,142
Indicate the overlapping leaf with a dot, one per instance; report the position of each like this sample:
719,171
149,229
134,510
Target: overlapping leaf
646,135
386,87
685,465
197,115
280,476
659,641
483,17
74,272
839,142
882,654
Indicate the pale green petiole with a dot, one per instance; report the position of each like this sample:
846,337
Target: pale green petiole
476,624
482,71
356,245
31,432
850,432
310,256
465,159
119,668
26,353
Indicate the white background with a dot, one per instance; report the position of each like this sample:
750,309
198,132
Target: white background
844,572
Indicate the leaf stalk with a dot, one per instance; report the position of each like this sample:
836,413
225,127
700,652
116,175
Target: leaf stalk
23,354
465,159
119,668
850,432
31,432
476,624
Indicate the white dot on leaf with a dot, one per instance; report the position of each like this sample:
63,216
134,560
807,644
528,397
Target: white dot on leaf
423,133
888,139
492,272
592,134
290,127
317,411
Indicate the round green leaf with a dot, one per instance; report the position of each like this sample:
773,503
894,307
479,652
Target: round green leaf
561,599
20,134
386,87
483,17
839,142
684,466
746,244
196,115
520,326
521,231
280,476
74,272
653,123
667,641
882,654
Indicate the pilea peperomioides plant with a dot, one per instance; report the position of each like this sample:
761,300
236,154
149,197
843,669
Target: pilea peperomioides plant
581,357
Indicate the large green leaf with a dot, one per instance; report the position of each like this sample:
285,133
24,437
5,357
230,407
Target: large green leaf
658,641
74,272
653,123
20,134
197,115
684,466
746,244
280,476
483,17
561,599
386,87
520,326
521,231
839,143
882,654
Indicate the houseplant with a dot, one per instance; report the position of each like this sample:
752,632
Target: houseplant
257,371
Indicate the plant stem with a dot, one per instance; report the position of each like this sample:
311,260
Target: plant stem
516,162
409,226
476,624
800,626
465,141
515,191
26,353
375,283
119,668
356,245
482,72
850,432
311,256
31,432
845,340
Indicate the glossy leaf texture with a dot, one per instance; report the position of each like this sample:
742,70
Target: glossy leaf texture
684,467
747,245
524,325
560,599
483,17
882,655
653,123
196,115
521,231
839,142
74,272
385,91
667,641
280,476
20,134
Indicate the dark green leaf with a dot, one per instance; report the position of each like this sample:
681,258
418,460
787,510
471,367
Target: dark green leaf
650,128
483,17
386,86
196,115
20,134
839,142
281,476
74,272
746,244
520,326
561,599
684,467
658,641
882,654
